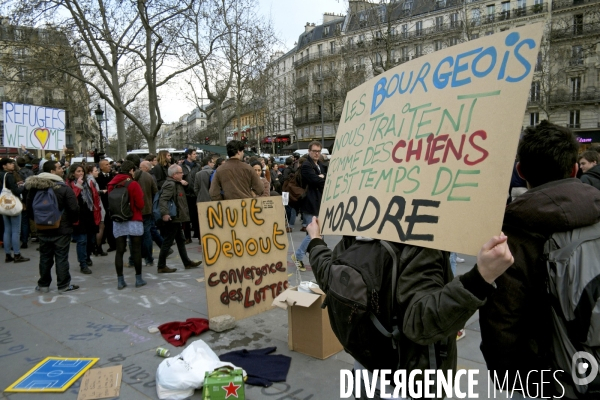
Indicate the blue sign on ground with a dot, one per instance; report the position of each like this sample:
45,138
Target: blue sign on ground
53,374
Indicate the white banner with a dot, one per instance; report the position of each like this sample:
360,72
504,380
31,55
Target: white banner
35,127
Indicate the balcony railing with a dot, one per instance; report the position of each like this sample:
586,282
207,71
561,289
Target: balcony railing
301,120
511,14
432,30
591,96
558,4
574,126
302,100
575,30
302,80
319,76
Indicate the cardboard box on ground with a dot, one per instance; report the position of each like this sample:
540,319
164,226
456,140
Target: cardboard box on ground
309,329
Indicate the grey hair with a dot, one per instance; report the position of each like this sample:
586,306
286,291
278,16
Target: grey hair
173,169
146,164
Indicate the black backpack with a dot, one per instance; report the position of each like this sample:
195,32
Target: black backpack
118,202
362,306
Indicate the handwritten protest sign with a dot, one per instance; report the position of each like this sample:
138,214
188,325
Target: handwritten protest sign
34,127
424,152
244,244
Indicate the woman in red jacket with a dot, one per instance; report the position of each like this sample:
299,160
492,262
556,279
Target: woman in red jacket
134,228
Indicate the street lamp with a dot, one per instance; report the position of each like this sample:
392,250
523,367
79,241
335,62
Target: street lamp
100,118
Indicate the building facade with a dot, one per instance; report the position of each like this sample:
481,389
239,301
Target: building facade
27,75
310,82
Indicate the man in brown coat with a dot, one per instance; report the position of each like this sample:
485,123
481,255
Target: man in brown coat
235,179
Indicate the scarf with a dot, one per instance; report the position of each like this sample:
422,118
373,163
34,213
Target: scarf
92,194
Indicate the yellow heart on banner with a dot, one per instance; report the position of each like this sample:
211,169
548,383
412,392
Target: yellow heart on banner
42,135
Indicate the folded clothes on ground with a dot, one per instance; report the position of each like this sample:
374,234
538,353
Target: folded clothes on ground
262,369
177,333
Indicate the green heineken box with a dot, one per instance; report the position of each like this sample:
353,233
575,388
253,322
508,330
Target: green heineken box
224,383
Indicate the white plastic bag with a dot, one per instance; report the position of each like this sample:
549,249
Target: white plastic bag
178,377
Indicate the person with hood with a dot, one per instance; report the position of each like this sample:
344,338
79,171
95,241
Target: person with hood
588,162
134,228
54,243
516,321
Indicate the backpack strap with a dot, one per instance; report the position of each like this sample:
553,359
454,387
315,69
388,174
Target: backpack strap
565,252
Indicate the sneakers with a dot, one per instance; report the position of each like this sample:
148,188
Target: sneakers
166,270
193,264
86,271
460,260
299,264
460,334
43,289
9,258
70,288
19,258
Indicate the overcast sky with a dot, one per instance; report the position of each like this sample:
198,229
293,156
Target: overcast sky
288,17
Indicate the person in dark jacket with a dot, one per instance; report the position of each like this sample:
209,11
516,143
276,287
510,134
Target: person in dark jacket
160,169
134,228
190,167
84,230
106,175
173,189
516,327
12,224
433,305
313,177
588,162
54,243
25,172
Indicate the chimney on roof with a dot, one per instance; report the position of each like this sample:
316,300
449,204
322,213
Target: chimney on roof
308,27
327,17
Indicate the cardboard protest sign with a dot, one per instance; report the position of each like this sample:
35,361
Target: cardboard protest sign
244,244
34,127
100,383
424,152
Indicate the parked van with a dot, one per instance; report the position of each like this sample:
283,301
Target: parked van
87,159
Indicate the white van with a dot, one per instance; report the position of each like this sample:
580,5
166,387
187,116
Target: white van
87,159
303,152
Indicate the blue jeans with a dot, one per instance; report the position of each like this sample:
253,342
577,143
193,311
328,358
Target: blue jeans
12,233
146,241
301,250
82,255
24,227
453,263
291,215
54,248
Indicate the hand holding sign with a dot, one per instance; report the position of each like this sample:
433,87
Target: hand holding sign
494,258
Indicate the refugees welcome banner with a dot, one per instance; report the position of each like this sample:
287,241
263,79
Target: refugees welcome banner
35,127
244,246
425,151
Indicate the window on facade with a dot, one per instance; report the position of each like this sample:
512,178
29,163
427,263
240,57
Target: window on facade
378,59
521,4
407,6
378,35
505,14
488,33
576,88
491,10
404,51
475,17
440,4
404,30
437,45
439,23
326,31
361,38
331,47
475,36
538,63
576,55
351,41
534,118
534,92
574,121
453,41
419,28
454,20
578,24
418,50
